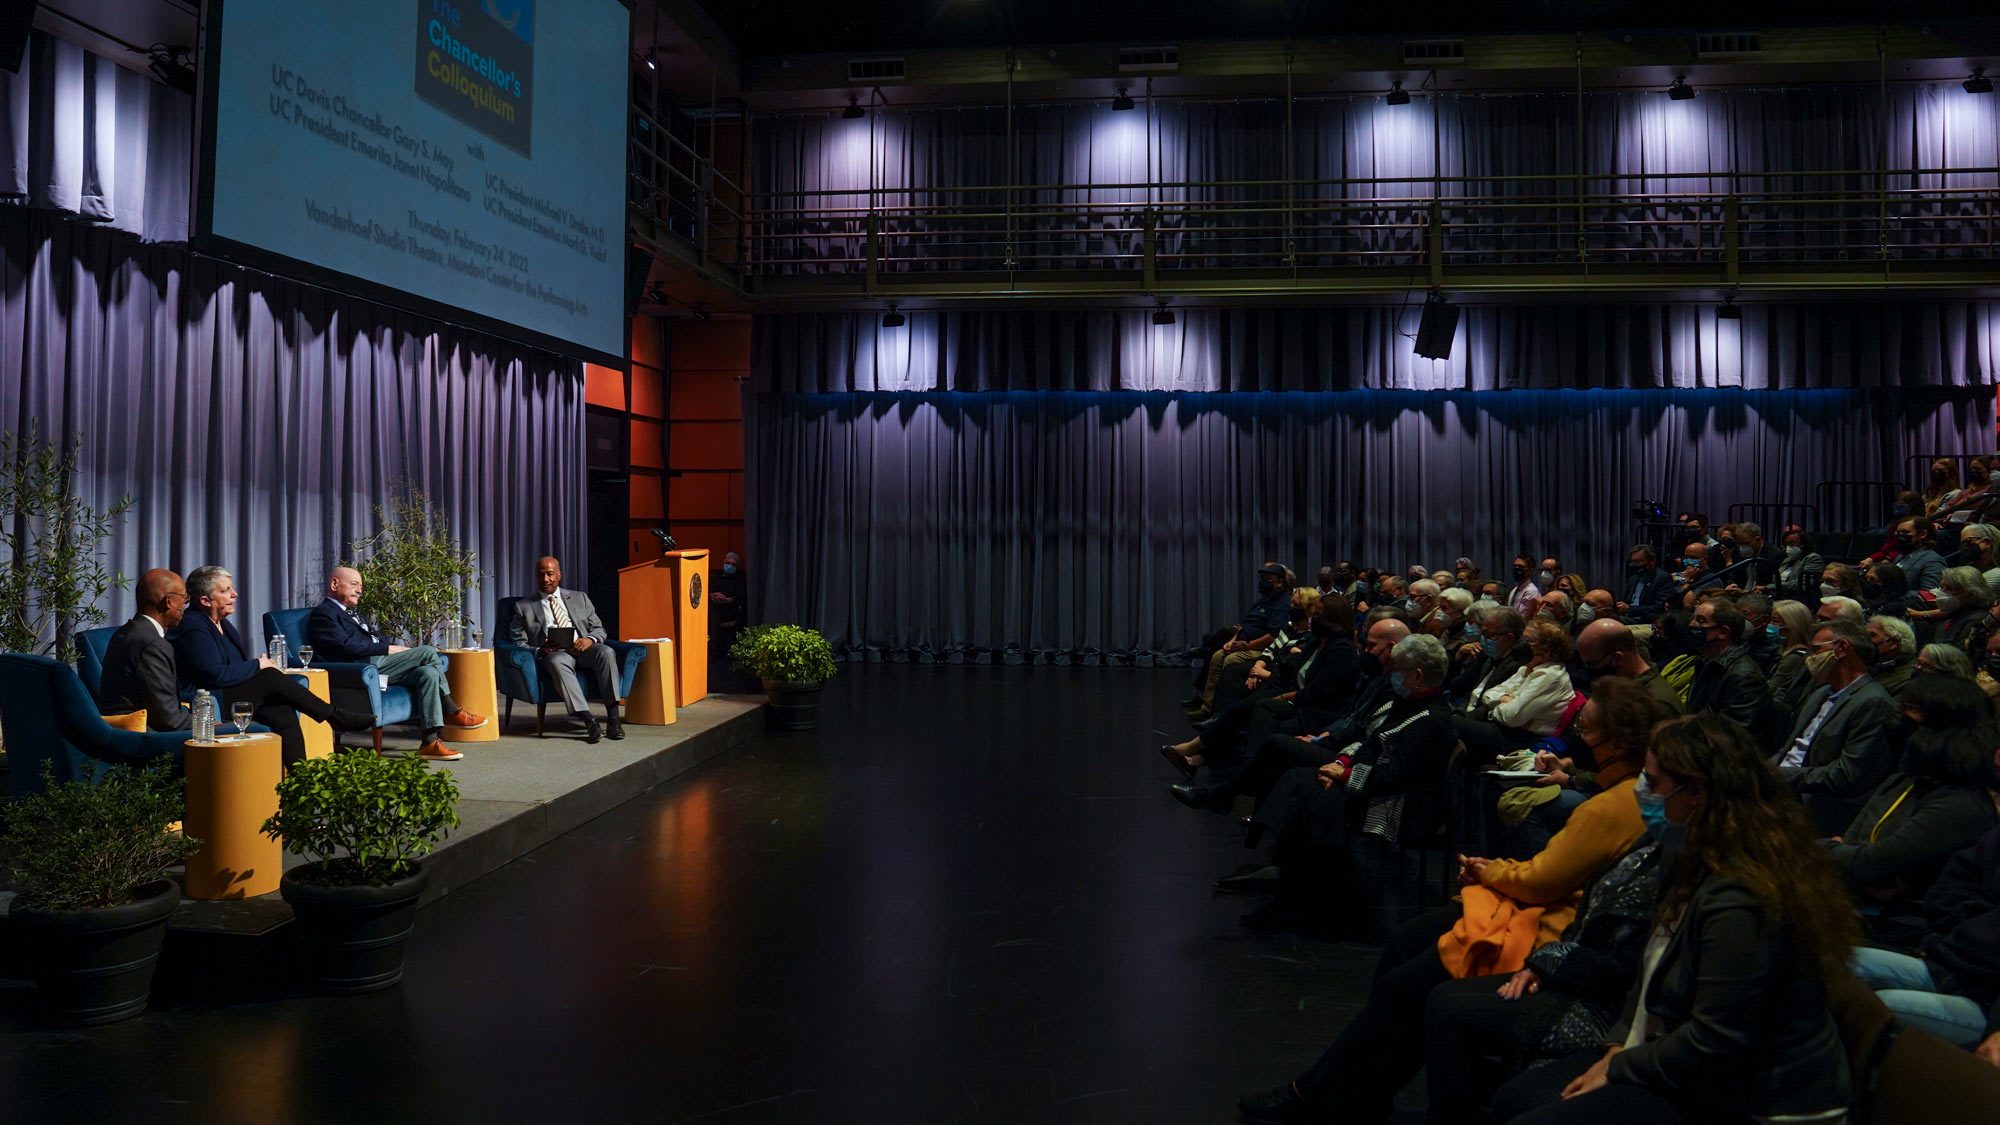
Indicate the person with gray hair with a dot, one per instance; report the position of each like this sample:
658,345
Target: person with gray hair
1959,608
1839,749
1979,547
1841,608
1423,601
1450,624
1939,659
1894,645
210,654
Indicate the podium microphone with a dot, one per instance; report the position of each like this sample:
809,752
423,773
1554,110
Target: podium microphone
666,541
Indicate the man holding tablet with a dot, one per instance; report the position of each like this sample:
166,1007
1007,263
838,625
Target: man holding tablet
563,628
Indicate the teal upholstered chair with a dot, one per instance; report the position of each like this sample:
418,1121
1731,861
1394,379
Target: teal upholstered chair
356,684
49,719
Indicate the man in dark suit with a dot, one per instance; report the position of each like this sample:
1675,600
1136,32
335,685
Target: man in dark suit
335,633
1726,681
556,607
210,654
1839,749
139,671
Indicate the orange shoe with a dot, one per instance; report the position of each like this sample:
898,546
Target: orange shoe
464,720
437,751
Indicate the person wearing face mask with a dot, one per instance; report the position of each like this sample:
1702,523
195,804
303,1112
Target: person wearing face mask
1728,1018
1527,705
1839,748
1491,654
1610,648
1694,568
1789,682
1726,681
1979,548
1760,631
1549,574
1934,804
1526,593
1555,607
1958,612
1987,677
1885,589
1799,570
1320,684
730,598
1943,485
1262,678
1260,623
1450,625
1916,556
1646,588
1892,652
1423,602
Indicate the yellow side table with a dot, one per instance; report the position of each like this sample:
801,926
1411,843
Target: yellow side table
469,672
652,700
319,736
232,788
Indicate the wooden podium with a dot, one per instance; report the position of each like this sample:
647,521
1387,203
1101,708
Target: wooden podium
668,597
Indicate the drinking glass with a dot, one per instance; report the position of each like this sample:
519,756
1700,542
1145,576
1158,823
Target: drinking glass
478,638
239,713
305,656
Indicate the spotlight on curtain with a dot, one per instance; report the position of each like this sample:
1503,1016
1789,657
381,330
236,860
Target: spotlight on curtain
1730,310
1123,101
1437,327
1163,314
1680,91
1398,95
1978,83
892,318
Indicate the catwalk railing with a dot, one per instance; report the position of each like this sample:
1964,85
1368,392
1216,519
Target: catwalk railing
1836,224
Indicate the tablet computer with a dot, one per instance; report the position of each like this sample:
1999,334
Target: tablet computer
561,636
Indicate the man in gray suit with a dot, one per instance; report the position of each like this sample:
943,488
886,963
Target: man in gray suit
560,608
1839,748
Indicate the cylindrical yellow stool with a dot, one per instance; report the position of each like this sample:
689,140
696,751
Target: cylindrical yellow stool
232,788
652,698
318,735
469,672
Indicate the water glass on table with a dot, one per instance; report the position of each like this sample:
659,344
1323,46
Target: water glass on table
305,656
239,713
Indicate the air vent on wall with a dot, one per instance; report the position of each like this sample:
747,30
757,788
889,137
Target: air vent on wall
875,70
1148,60
1433,51
1728,44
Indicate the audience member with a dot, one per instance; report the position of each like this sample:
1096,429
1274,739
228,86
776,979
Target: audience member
1525,593
1496,655
1789,681
1799,570
1979,548
1839,748
1730,1012
1943,484
209,653
1726,682
1531,703
1241,643
1894,645
1938,659
1917,556
1951,987
1647,588
1934,804
1257,679
1838,580
1610,648
1695,570
1959,613
1760,630
557,608
1838,608
1556,607
337,634
1452,624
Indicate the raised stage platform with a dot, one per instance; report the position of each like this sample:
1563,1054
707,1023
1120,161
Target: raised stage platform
515,794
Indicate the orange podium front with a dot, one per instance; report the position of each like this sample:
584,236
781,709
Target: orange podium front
668,598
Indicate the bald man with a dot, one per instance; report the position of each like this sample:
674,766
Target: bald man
140,672
555,607
338,634
1607,648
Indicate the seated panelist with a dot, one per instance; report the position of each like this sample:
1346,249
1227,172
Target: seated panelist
336,633
210,654
140,673
557,608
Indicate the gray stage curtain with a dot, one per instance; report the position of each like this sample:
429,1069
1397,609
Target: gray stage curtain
81,134
1774,347
1120,526
257,420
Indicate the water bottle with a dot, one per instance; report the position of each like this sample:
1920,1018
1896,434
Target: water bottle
204,716
278,649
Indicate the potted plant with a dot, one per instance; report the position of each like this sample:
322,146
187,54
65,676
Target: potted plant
91,859
364,822
52,574
793,662
415,575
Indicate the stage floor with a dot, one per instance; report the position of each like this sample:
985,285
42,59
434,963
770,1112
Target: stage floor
967,897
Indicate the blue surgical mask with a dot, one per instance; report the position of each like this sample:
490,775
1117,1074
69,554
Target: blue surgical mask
1690,561
729,568
1652,808
1397,684
1489,646
1770,630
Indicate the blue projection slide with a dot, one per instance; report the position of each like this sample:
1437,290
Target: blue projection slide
471,152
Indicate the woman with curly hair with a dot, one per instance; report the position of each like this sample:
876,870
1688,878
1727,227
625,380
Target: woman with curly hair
1728,1019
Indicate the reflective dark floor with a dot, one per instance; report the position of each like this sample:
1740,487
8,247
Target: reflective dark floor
967,897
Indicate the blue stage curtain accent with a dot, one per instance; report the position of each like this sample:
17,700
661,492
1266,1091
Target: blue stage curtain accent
258,421
1116,527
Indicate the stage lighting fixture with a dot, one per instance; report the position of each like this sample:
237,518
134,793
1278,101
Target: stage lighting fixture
1437,327
1163,314
1398,95
853,112
1123,101
892,318
173,66
1680,91
1979,83
1729,309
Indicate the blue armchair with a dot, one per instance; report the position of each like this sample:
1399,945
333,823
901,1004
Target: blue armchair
521,677
359,683
91,645
50,719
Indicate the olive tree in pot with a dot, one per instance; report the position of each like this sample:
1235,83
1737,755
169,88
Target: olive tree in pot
91,859
364,821
794,662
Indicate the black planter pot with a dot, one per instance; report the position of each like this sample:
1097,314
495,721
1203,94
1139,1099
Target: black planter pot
96,966
794,704
353,937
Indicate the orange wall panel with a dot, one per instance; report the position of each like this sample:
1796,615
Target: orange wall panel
604,386
706,396
705,445
646,439
649,345
701,496
649,391
646,500
719,345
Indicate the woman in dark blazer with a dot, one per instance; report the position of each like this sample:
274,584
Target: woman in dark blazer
1728,1020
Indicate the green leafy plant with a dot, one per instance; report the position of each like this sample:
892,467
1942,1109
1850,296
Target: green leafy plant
414,574
52,577
362,817
791,653
743,650
94,842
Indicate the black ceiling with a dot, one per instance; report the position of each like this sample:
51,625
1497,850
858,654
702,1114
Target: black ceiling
779,27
